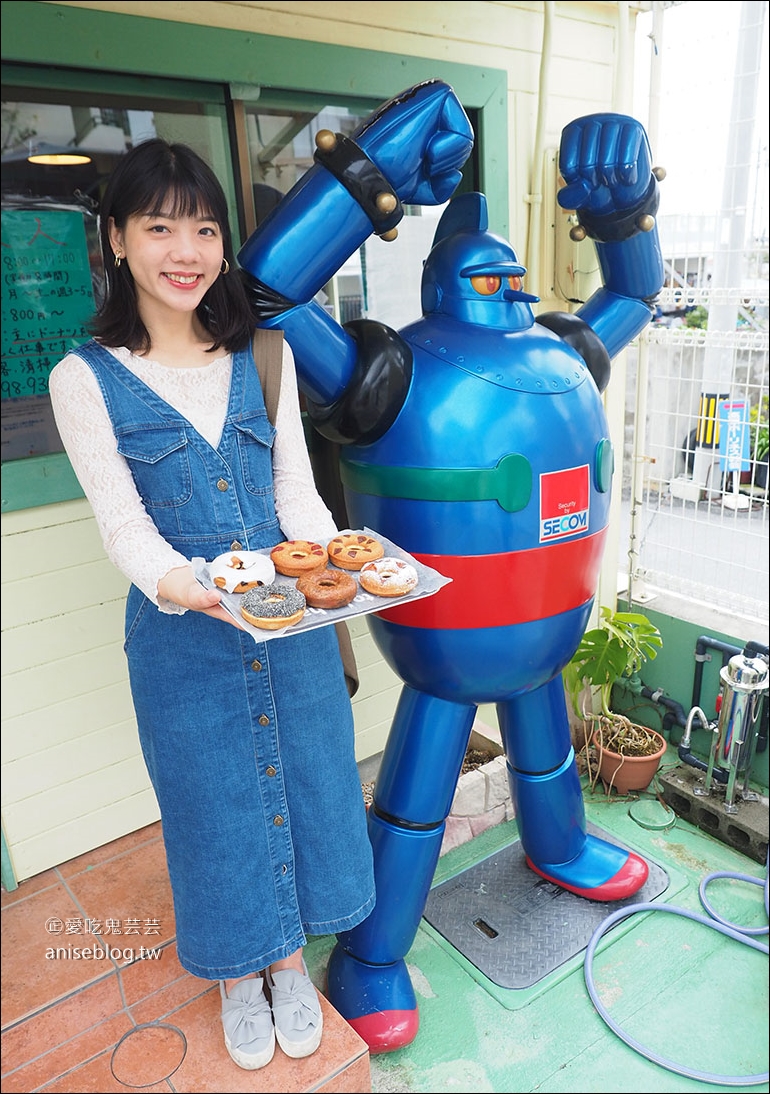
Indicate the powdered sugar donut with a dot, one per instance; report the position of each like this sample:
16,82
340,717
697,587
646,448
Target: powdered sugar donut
239,571
388,577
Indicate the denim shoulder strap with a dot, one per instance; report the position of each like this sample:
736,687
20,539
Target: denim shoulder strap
128,399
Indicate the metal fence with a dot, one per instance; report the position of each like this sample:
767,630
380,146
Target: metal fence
695,501
696,529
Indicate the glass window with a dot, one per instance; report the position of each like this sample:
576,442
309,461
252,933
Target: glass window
57,153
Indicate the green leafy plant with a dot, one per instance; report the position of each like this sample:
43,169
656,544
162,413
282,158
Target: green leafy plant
607,654
697,319
617,648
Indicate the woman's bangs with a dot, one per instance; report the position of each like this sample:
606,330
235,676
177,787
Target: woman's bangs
178,199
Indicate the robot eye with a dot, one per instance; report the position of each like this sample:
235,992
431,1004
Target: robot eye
514,283
486,284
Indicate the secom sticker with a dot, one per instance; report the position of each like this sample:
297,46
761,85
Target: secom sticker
564,503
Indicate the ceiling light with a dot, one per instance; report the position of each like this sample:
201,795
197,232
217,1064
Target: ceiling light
59,159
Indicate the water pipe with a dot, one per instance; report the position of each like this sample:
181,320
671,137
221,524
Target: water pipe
535,197
717,773
756,649
675,712
705,642
675,715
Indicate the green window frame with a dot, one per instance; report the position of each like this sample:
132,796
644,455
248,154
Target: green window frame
70,49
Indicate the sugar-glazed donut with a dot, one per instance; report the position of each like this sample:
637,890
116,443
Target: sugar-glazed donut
298,556
328,588
352,549
388,577
273,606
239,571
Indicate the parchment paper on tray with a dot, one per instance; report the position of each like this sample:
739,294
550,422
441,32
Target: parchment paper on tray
429,582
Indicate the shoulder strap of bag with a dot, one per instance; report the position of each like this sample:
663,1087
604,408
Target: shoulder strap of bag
267,348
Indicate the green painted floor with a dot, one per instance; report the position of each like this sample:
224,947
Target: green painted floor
683,991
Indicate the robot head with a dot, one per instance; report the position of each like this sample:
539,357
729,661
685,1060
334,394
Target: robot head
473,275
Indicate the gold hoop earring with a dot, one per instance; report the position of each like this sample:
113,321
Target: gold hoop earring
118,259
225,266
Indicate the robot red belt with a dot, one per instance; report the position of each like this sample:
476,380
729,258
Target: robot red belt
500,590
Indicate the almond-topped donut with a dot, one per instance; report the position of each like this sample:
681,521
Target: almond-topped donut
352,549
298,556
388,577
239,571
327,588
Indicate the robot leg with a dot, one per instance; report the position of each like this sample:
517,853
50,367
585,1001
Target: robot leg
548,800
368,981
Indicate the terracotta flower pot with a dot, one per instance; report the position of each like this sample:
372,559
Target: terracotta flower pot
627,773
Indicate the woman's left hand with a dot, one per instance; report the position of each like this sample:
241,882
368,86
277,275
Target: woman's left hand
181,587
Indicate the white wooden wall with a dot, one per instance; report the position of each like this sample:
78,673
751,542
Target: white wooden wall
72,773
73,776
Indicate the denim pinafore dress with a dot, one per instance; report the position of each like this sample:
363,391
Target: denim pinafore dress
249,745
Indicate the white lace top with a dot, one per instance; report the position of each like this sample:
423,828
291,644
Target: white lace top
130,537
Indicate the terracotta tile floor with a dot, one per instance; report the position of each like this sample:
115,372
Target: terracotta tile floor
75,1021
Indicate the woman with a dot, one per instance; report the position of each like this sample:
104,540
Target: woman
249,746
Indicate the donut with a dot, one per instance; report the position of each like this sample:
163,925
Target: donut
273,606
388,577
327,588
239,571
297,556
352,549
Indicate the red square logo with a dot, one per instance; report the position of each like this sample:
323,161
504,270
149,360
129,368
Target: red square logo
564,503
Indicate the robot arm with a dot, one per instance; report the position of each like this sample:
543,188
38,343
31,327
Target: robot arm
605,161
410,150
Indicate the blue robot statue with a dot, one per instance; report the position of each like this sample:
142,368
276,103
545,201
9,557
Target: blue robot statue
476,439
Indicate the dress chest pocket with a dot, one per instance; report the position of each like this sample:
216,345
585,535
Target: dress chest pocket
255,437
159,460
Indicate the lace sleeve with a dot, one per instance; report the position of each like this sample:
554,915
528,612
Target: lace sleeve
131,540
301,511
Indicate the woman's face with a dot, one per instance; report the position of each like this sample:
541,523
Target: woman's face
174,260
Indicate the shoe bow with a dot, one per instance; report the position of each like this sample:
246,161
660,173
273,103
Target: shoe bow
295,1002
246,1013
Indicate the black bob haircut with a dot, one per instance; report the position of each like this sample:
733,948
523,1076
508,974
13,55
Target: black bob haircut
153,177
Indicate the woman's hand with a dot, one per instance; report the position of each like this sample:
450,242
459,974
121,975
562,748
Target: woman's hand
181,587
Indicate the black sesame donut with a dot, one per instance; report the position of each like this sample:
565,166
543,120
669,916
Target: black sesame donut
273,606
352,549
327,588
388,577
294,557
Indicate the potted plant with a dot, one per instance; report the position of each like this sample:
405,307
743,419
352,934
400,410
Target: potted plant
616,649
